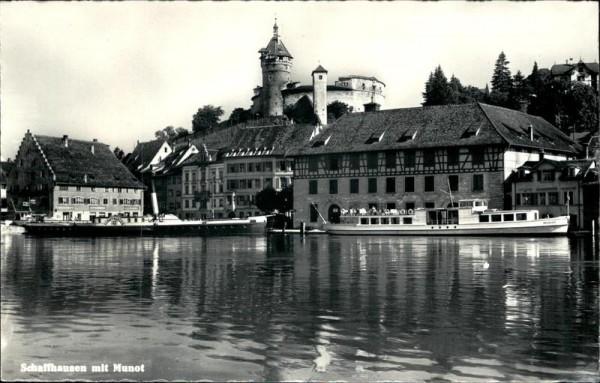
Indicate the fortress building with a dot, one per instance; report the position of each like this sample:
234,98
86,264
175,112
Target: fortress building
278,92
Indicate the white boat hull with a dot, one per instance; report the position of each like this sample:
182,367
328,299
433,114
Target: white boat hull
547,226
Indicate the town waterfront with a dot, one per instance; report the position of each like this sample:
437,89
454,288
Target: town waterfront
301,308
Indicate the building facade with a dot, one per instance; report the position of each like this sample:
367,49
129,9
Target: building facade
418,158
67,179
556,188
584,73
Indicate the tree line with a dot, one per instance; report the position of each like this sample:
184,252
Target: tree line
570,107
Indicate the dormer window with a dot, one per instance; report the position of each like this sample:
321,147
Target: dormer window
408,135
470,132
375,137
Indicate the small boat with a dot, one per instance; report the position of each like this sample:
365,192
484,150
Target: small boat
470,217
167,224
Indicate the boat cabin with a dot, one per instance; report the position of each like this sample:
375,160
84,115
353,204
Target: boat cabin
469,211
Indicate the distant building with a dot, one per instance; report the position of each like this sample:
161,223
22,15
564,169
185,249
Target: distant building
556,188
5,168
585,73
203,175
67,179
279,92
419,158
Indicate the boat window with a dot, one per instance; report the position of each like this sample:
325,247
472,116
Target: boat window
364,221
496,217
407,220
374,221
385,221
509,217
395,221
484,218
479,203
535,215
521,216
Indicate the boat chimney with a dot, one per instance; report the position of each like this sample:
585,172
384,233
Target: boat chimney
65,141
530,131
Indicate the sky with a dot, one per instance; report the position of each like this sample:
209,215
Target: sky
120,71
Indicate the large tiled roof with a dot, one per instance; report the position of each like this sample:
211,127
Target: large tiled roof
143,154
270,140
560,69
77,165
436,126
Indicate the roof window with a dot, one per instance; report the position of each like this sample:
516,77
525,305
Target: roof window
375,138
321,142
470,132
408,135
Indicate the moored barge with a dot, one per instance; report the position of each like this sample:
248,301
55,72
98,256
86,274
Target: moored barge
144,226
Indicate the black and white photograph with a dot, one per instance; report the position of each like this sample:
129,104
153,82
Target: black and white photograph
261,191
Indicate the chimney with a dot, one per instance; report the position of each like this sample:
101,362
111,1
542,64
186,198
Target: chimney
65,141
586,146
542,154
372,107
530,131
92,149
95,140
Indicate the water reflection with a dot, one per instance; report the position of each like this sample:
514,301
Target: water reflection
301,308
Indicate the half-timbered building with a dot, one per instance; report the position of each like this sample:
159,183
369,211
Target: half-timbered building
68,179
418,158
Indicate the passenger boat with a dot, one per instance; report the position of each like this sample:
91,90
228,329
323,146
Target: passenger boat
470,217
148,226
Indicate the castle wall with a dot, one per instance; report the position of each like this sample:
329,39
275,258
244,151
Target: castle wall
354,98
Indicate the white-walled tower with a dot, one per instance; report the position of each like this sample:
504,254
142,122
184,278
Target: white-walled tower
319,77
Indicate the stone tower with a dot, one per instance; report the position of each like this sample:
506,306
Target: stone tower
319,76
276,64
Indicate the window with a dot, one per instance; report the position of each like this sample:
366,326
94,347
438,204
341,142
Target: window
354,159
63,188
429,158
372,160
390,159
429,183
477,156
477,182
496,217
552,198
521,216
105,201
390,185
409,184
390,205
333,186
542,198
409,159
268,166
546,175
314,213
250,167
410,206
333,162
78,188
429,205
453,181
313,187
242,168
354,186
568,197
372,186
453,156
313,164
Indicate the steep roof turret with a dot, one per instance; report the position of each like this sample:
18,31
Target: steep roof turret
275,47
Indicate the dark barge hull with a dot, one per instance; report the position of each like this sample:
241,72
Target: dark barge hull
147,230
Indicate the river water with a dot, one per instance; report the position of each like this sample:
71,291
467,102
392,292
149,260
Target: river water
300,308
